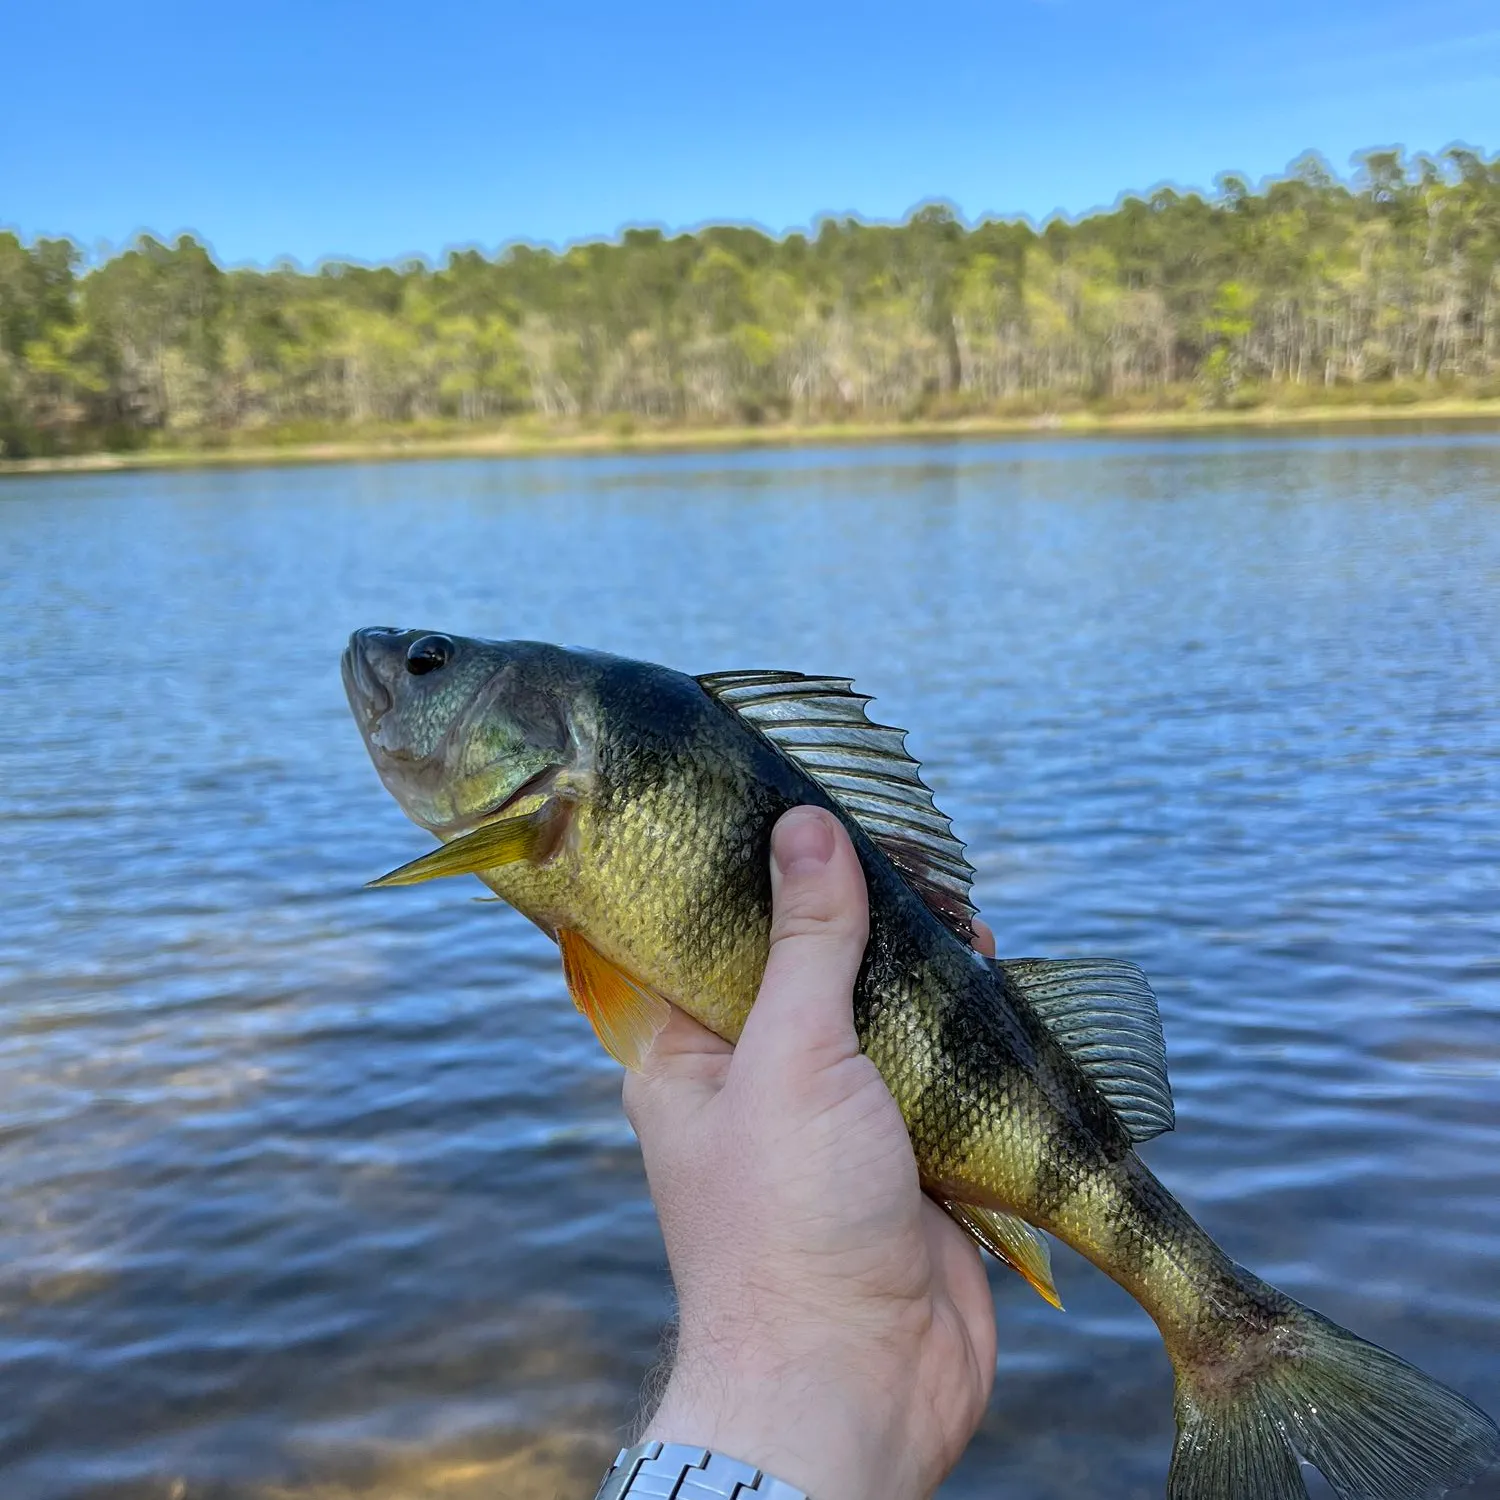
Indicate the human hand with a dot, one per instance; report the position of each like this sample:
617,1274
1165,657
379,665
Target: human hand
835,1327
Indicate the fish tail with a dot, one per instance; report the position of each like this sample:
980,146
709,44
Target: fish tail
1257,1392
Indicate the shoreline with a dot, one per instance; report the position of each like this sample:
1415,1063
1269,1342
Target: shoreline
566,442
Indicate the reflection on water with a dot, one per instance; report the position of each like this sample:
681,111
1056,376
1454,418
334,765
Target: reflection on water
311,1191
557,1464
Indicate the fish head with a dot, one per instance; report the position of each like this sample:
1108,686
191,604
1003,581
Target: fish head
460,728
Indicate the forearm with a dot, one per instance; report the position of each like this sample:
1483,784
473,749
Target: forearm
811,1422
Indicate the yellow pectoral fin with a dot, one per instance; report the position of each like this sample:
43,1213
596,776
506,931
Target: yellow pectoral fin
1012,1240
532,835
625,1014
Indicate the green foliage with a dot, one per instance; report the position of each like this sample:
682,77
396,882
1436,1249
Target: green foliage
1303,289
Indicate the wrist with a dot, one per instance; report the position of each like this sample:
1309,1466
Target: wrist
826,1432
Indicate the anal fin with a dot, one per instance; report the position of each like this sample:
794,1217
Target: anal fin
1012,1240
624,1013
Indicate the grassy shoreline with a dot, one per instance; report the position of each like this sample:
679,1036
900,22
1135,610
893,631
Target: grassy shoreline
531,441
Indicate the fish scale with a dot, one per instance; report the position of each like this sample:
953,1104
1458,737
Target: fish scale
627,809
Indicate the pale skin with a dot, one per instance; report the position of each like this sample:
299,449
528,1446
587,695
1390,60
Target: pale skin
836,1328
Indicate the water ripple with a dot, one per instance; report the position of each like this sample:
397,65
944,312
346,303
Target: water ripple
307,1191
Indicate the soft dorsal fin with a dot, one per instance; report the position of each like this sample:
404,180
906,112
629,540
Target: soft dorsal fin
1102,1010
820,722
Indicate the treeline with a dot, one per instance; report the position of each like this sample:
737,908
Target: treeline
1391,277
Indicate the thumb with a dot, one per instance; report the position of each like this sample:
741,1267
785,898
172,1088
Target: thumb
820,919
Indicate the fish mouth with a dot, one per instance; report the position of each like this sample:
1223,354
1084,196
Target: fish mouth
368,696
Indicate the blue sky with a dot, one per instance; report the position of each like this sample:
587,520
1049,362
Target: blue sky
375,130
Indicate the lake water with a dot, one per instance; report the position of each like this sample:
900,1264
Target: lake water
311,1191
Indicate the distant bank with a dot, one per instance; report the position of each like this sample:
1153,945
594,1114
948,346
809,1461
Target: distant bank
1169,310
524,440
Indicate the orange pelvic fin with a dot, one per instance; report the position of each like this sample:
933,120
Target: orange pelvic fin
625,1014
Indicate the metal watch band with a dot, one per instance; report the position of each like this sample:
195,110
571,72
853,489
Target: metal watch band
673,1471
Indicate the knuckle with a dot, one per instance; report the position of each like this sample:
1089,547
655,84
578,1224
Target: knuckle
805,921
815,912
812,962
634,1097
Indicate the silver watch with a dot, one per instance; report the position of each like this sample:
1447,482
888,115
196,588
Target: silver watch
673,1471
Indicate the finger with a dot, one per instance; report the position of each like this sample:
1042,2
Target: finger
820,920
984,937
682,1043
683,1070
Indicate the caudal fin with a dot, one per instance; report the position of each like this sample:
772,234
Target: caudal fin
1377,1428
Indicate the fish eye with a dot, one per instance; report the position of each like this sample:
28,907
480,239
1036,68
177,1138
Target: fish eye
428,654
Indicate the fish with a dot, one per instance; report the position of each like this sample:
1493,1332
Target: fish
626,809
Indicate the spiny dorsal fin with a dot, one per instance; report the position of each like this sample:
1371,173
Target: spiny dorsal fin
820,722
1103,1012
